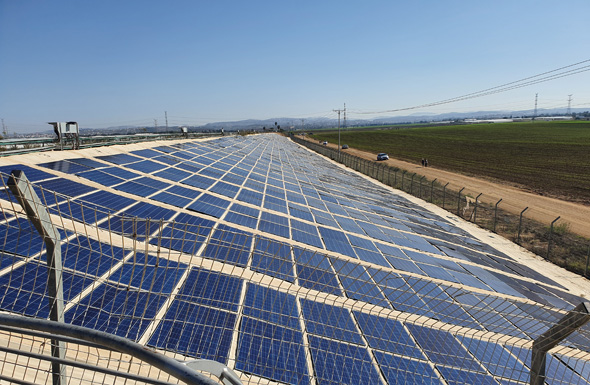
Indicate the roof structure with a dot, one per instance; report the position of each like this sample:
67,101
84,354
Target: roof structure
286,267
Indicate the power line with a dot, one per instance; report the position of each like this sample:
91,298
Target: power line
539,78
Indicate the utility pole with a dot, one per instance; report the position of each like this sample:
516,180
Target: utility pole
338,111
4,130
344,123
166,116
535,113
302,124
156,124
569,104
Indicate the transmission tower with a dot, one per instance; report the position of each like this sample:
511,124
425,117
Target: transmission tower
344,123
535,113
569,104
166,116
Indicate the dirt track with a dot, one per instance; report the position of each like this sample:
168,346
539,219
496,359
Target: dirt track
514,200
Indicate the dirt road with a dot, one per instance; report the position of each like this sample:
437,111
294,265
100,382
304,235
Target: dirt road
541,208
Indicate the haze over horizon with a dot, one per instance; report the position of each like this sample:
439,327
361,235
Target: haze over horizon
125,63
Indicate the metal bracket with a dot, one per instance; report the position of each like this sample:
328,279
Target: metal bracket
225,374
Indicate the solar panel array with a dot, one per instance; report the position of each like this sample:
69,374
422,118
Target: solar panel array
256,253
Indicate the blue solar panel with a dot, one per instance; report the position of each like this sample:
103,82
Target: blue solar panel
119,172
314,272
117,310
91,163
341,363
128,223
65,187
497,360
196,331
251,197
272,351
156,275
32,174
89,256
24,290
171,199
273,258
211,289
358,284
271,306
65,166
275,204
330,321
442,348
229,245
119,158
20,237
336,241
209,204
145,166
101,177
401,370
274,224
225,189
186,234
172,174
455,376
146,153
395,340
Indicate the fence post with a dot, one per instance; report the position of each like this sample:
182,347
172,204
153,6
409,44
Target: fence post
445,194
587,261
551,236
420,190
403,174
395,179
459,201
432,189
412,184
496,214
520,225
475,208
37,213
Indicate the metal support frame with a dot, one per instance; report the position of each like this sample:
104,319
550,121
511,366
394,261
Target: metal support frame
572,321
38,215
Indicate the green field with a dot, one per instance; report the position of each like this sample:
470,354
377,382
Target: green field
551,158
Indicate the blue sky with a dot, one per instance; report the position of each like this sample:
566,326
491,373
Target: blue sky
109,63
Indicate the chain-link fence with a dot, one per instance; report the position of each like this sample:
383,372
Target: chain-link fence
553,240
269,310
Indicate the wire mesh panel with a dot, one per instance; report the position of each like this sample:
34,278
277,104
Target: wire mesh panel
320,290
